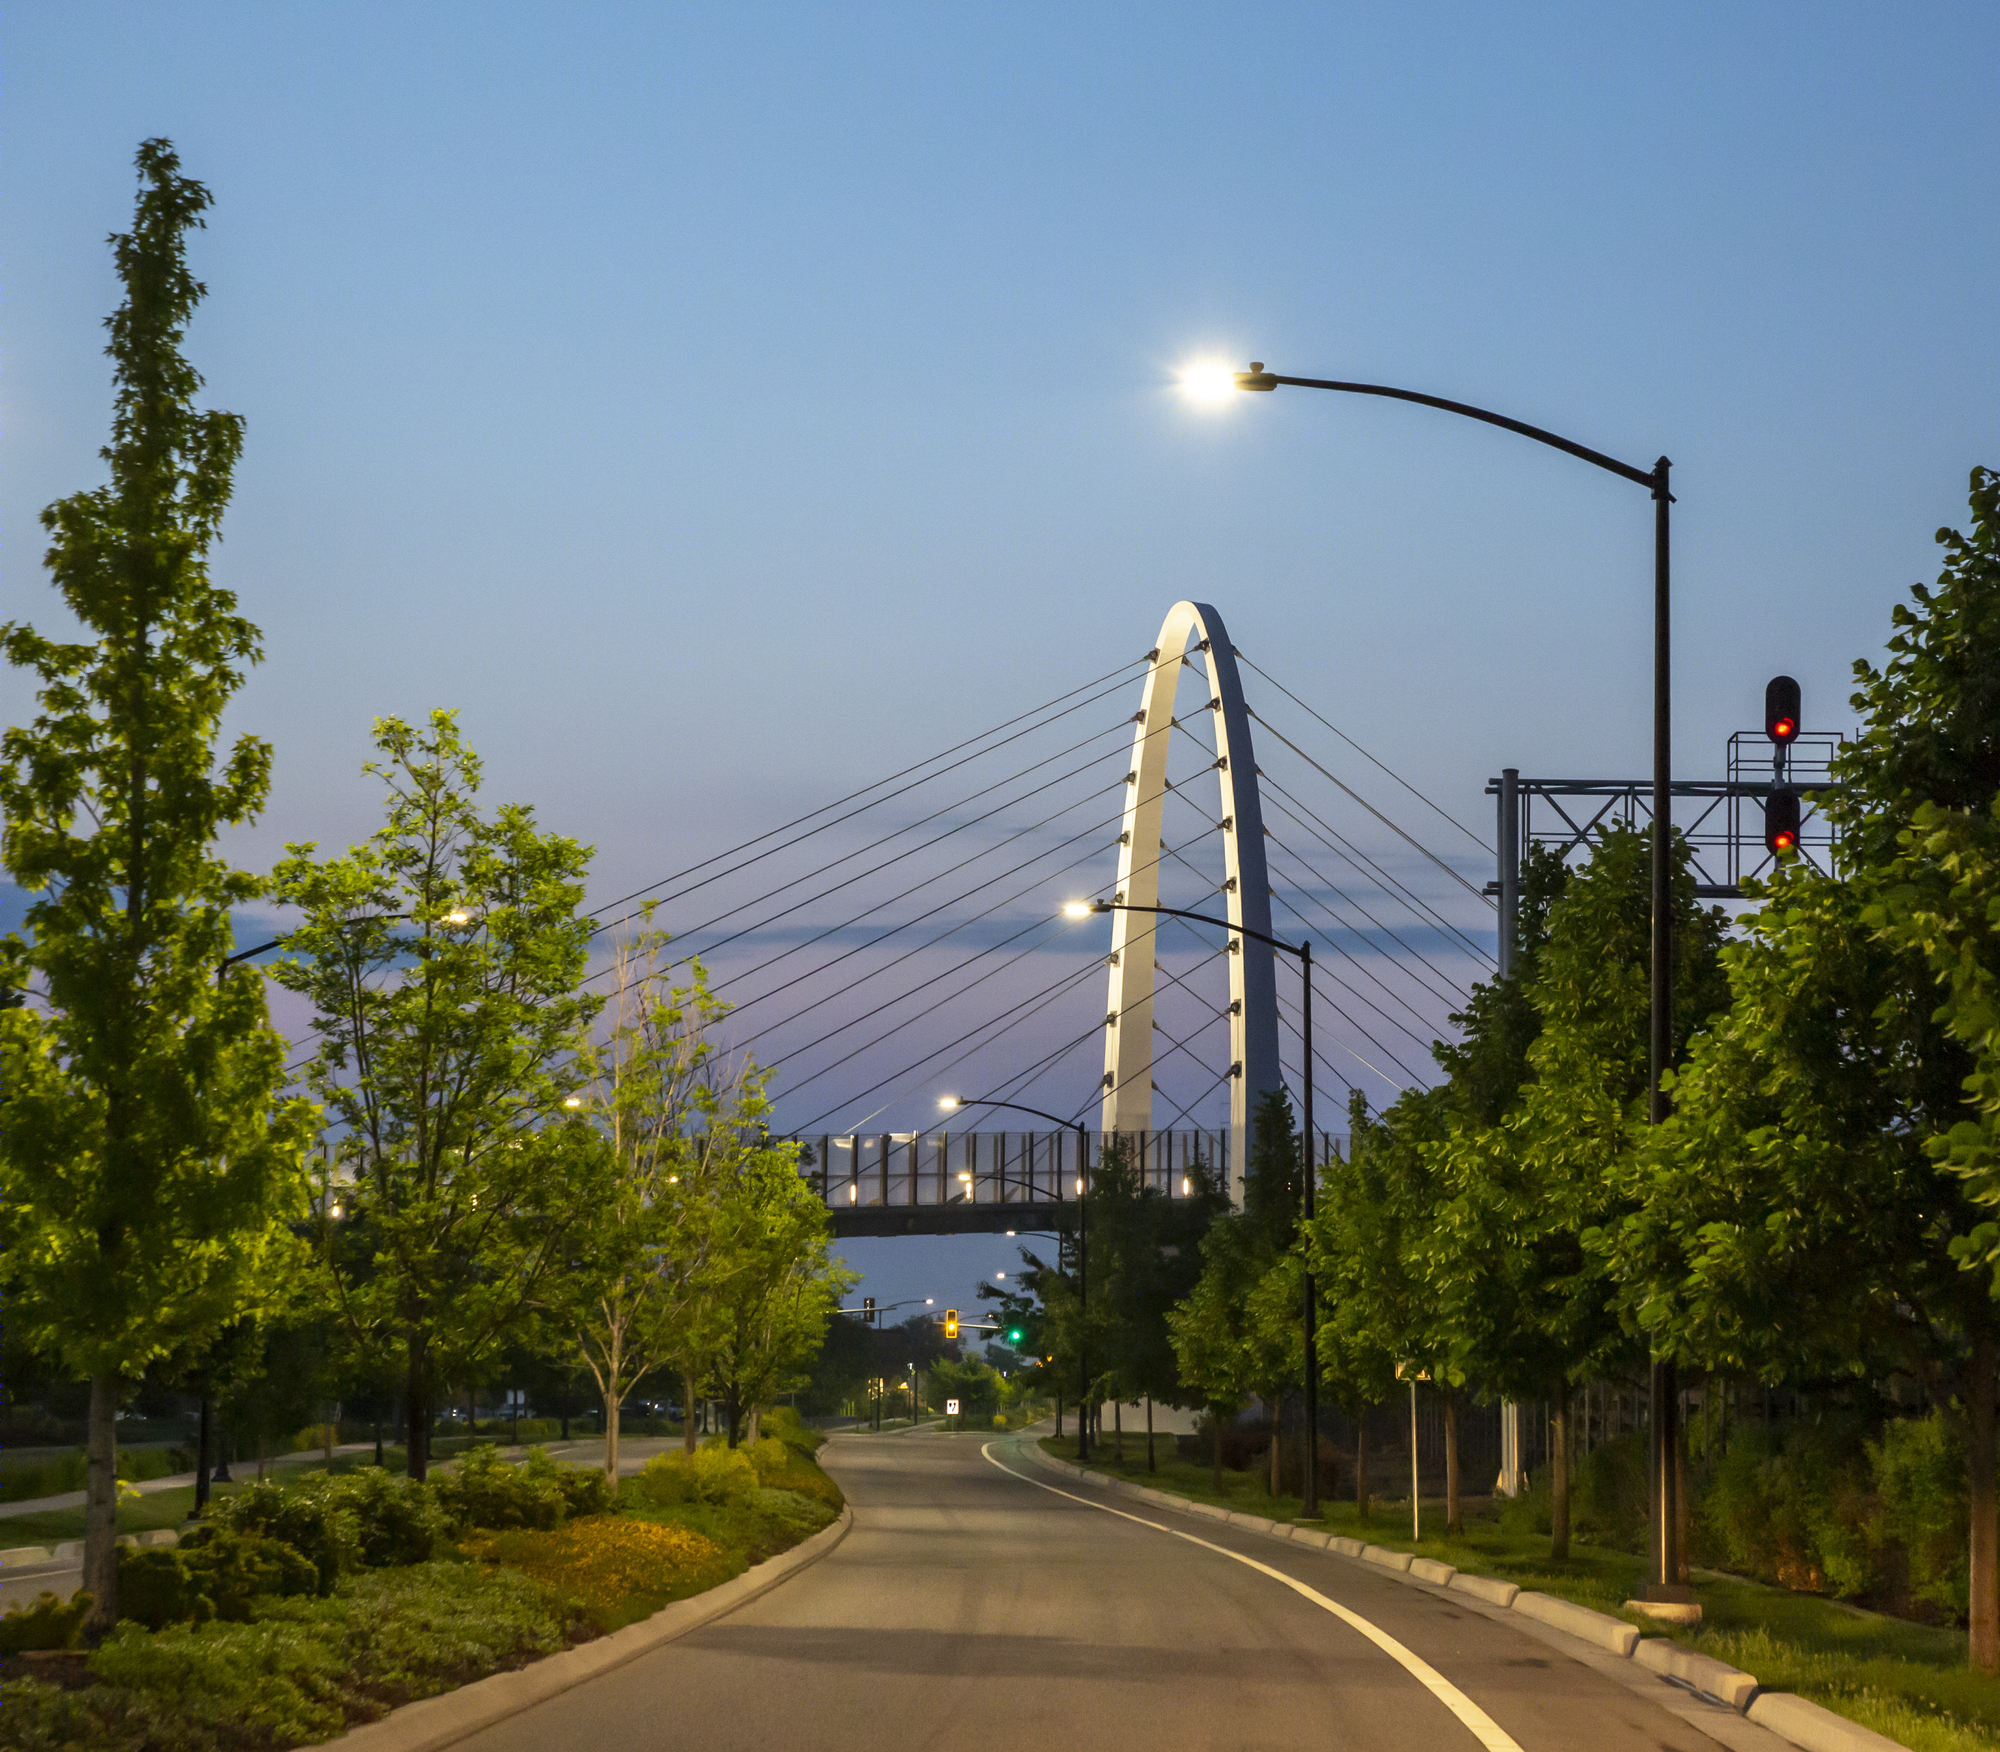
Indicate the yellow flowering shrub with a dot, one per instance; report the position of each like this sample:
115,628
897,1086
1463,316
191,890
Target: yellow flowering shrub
606,1563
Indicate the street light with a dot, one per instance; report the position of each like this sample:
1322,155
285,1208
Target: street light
951,1104
1665,1556
1082,909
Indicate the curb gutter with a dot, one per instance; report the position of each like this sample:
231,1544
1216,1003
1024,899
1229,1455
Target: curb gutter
1796,1719
451,1716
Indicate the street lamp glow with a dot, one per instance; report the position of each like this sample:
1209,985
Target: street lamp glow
457,917
964,1176
1209,380
1077,909
573,1101
948,1102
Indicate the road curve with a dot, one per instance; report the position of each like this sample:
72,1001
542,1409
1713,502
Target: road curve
968,1605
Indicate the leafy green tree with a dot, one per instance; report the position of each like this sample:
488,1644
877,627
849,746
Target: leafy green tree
1808,1209
1529,1308
775,1282
150,1162
441,958
646,1255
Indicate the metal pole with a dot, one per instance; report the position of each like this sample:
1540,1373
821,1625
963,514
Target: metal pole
1416,1511
1083,1298
1309,1505
1510,864
1664,1437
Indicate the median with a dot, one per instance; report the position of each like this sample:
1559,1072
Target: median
298,1610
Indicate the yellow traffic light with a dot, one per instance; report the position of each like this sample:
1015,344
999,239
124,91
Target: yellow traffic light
950,1324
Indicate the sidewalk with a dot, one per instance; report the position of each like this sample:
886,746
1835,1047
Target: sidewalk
73,1499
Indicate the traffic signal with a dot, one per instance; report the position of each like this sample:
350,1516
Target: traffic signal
1781,821
868,1309
950,1324
1781,710
1015,1334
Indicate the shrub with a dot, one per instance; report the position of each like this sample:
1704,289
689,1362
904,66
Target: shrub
482,1490
312,1519
396,1520
232,1569
603,1562
585,1490
1919,1470
155,1589
708,1475
48,1623
785,1423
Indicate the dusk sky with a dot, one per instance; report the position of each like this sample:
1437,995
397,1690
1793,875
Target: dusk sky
723,407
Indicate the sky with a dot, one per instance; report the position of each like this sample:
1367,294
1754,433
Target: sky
723,406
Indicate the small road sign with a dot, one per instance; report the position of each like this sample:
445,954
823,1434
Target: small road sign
951,1408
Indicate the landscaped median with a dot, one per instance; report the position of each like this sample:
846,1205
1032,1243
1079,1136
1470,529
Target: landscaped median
1825,1676
302,1609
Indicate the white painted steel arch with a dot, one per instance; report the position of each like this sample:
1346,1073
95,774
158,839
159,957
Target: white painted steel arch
1253,992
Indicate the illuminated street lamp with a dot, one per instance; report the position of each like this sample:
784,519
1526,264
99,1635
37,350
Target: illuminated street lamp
1665,1557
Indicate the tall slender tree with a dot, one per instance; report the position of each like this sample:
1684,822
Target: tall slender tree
150,1161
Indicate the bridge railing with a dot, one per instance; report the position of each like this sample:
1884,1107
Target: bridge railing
997,1168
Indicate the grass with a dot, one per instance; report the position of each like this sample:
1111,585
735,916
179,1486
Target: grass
160,1508
1908,1681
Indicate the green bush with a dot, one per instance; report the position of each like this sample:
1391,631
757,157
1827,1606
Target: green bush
312,1518
1794,1510
232,1569
791,1429
709,1475
396,1520
1919,1468
484,1491
155,1589
46,1623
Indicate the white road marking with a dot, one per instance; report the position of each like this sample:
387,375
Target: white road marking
1485,1729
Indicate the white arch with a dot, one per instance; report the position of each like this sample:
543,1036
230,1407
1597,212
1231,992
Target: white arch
1253,992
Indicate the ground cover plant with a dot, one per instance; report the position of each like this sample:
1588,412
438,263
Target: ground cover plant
304,1605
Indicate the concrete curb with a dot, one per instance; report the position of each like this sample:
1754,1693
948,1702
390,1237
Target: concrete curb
1805,1724
1814,1729
451,1716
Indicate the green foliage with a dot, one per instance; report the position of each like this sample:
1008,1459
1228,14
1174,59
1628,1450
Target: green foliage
441,959
1919,1468
714,1474
396,1520
314,1521
155,1589
233,1569
149,1162
298,1670
483,1490
46,1622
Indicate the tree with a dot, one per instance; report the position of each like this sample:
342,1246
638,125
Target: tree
1529,1307
150,1160
1809,1207
775,1282
644,1256
441,958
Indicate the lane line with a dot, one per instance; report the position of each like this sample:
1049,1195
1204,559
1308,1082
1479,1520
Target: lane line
1485,1729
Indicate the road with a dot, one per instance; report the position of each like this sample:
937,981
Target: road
968,1607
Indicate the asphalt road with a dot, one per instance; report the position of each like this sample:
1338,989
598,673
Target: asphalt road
969,1607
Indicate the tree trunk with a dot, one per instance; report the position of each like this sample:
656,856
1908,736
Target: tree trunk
613,1406
1118,1432
378,1441
1984,1644
1559,1477
1454,1515
100,1507
1215,1449
1361,1463
417,1410
1276,1445
687,1411
1151,1464
201,1453
756,1423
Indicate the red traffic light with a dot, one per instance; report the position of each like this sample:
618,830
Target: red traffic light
1781,710
1781,821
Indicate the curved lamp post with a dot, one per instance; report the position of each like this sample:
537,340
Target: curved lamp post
1082,909
951,1104
1665,1555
